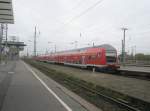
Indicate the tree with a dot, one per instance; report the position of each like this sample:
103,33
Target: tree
141,56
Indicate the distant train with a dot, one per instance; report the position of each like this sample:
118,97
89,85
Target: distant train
100,57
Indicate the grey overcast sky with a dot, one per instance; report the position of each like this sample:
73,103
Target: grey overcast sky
98,21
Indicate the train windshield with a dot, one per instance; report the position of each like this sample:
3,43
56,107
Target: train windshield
111,57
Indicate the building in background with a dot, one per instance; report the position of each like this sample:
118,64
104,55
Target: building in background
13,49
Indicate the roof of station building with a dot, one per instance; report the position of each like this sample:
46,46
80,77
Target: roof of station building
6,12
11,43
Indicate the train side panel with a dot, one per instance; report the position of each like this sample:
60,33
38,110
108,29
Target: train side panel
92,57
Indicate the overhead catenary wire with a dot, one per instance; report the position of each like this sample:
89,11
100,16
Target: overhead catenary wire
85,11
79,15
78,4
82,13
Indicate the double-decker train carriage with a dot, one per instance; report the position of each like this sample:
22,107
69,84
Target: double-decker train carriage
100,57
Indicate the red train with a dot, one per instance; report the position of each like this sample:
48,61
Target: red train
100,57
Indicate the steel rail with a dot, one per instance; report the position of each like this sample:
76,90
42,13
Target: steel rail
123,104
117,101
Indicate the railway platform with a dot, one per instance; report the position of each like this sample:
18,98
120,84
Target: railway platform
135,69
23,88
129,86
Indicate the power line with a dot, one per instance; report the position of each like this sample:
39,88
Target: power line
82,13
85,11
78,4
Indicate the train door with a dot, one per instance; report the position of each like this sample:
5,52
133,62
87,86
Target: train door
83,59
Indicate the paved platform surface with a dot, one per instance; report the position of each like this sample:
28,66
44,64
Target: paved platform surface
22,89
135,68
130,86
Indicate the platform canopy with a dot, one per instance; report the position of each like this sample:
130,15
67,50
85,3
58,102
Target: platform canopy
6,12
11,43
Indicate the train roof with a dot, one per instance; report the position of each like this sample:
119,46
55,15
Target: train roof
107,47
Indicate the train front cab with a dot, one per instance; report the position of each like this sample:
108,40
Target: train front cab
107,62
111,61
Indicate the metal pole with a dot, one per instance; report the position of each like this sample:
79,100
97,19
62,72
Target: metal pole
76,44
6,34
1,38
93,44
0,42
135,54
6,42
124,53
27,53
55,48
35,43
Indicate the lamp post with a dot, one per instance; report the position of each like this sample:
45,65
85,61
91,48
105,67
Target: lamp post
35,40
35,34
124,38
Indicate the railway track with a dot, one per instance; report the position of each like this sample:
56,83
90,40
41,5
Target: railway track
117,101
121,103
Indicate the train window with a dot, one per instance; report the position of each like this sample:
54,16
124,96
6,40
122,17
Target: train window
110,59
93,57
